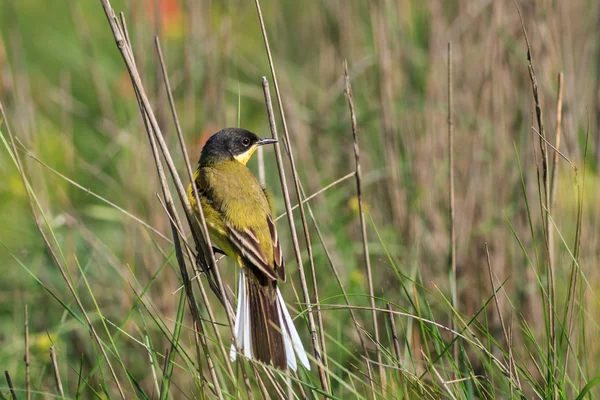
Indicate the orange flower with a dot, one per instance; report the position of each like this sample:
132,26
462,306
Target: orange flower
171,16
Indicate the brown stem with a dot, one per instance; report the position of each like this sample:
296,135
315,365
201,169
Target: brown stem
59,385
288,207
363,225
26,358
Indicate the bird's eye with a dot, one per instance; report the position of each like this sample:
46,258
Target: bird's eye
246,141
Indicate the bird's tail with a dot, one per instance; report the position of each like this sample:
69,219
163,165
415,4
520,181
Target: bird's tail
264,329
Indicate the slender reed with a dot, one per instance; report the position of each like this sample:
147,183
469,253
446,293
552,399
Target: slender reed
165,78
153,133
394,333
296,245
318,342
363,225
453,286
554,178
56,371
551,288
10,385
26,358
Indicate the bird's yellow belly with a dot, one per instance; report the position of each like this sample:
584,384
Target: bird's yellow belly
219,239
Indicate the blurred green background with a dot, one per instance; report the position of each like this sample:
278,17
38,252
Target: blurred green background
70,102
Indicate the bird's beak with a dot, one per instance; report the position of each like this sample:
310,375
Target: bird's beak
264,141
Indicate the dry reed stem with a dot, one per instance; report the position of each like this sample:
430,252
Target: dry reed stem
554,178
334,269
153,133
453,284
56,371
199,231
229,309
288,207
175,227
546,195
318,192
10,385
361,212
179,132
394,332
173,217
55,258
271,378
431,367
336,274
26,358
212,318
318,339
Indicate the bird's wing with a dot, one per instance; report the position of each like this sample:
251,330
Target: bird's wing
248,240
248,246
277,253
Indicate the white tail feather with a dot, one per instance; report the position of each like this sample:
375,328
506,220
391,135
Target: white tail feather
239,315
291,339
247,346
289,328
289,350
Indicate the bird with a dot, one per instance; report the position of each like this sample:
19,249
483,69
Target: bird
239,218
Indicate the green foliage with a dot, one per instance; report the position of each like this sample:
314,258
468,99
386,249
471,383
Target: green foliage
73,111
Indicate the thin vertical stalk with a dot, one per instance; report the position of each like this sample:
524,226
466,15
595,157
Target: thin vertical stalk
453,288
554,178
196,197
169,93
320,353
175,225
10,385
57,379
290,217
363,225
26,358
545,195
154,135
394,333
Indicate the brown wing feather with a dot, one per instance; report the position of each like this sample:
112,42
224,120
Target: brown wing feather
248,246
252,245
277,253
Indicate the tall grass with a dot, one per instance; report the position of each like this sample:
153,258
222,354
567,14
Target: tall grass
117,305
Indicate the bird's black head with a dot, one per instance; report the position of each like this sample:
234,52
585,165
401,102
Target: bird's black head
231,144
